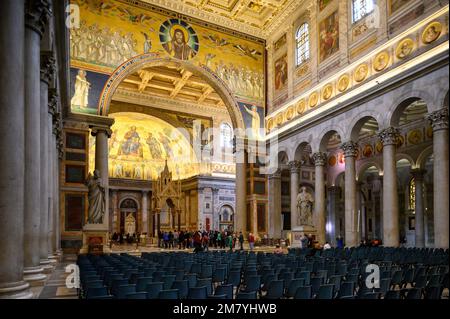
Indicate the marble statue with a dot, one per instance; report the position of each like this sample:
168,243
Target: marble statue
96,196
256,120
304,207
82,86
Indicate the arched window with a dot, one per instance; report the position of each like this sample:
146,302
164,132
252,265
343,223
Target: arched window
226,136
302,43
412,194
361,8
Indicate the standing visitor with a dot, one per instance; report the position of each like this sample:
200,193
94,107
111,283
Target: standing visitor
251,241
241,240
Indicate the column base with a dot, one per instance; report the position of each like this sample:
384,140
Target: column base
16,290
297,233
34,276
46,265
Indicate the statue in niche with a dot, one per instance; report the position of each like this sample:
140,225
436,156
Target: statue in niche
96,196
256,120
304,207
130,224
82,86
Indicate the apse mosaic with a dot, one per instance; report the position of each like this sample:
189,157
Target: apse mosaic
140,144
111,32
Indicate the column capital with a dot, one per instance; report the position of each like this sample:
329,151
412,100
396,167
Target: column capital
350,149
319,158
438,119
418,174
48,66
53,99
275,175
389,136
294,166
96,129
333,189
37,14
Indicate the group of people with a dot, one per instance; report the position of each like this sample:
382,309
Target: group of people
121,238
203,240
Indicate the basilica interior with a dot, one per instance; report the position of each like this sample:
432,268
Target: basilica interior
276,118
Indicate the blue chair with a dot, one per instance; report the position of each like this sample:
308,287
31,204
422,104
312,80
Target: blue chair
192,279
325,292
197,293
206,282
183,288
370,295
293,286
217,297
234,278
141,283
117,283
168,294
392,294
303,293
103,297
413,293
96,292
316,282
168,281
137,295
253,283
218,275
433,292
347,289
246,295
206,272
226,290
93,284
275,290
305,275
121,292
153,289
396,279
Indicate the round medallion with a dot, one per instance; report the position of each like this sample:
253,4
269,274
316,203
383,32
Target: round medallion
404,48
361,72
301,106
332,160
290,113
279,119
179,39
400,140
431,32
415,137
367,150
313,99
270,124
379,147
327,91
343,82
381,61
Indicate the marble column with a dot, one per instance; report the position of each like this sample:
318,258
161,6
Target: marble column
101,163
52,104
294,168
439,122
47,73
115,218
319,205
35,20
391,232
351,222
418,175
332,193
187,199
275,204
241,193
59,157
145,212
12,150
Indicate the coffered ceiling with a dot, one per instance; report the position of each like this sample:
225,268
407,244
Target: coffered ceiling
172,83
255,17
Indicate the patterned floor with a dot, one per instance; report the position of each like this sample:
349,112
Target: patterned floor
55,287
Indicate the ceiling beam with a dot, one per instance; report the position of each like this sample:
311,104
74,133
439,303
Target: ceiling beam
180,83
